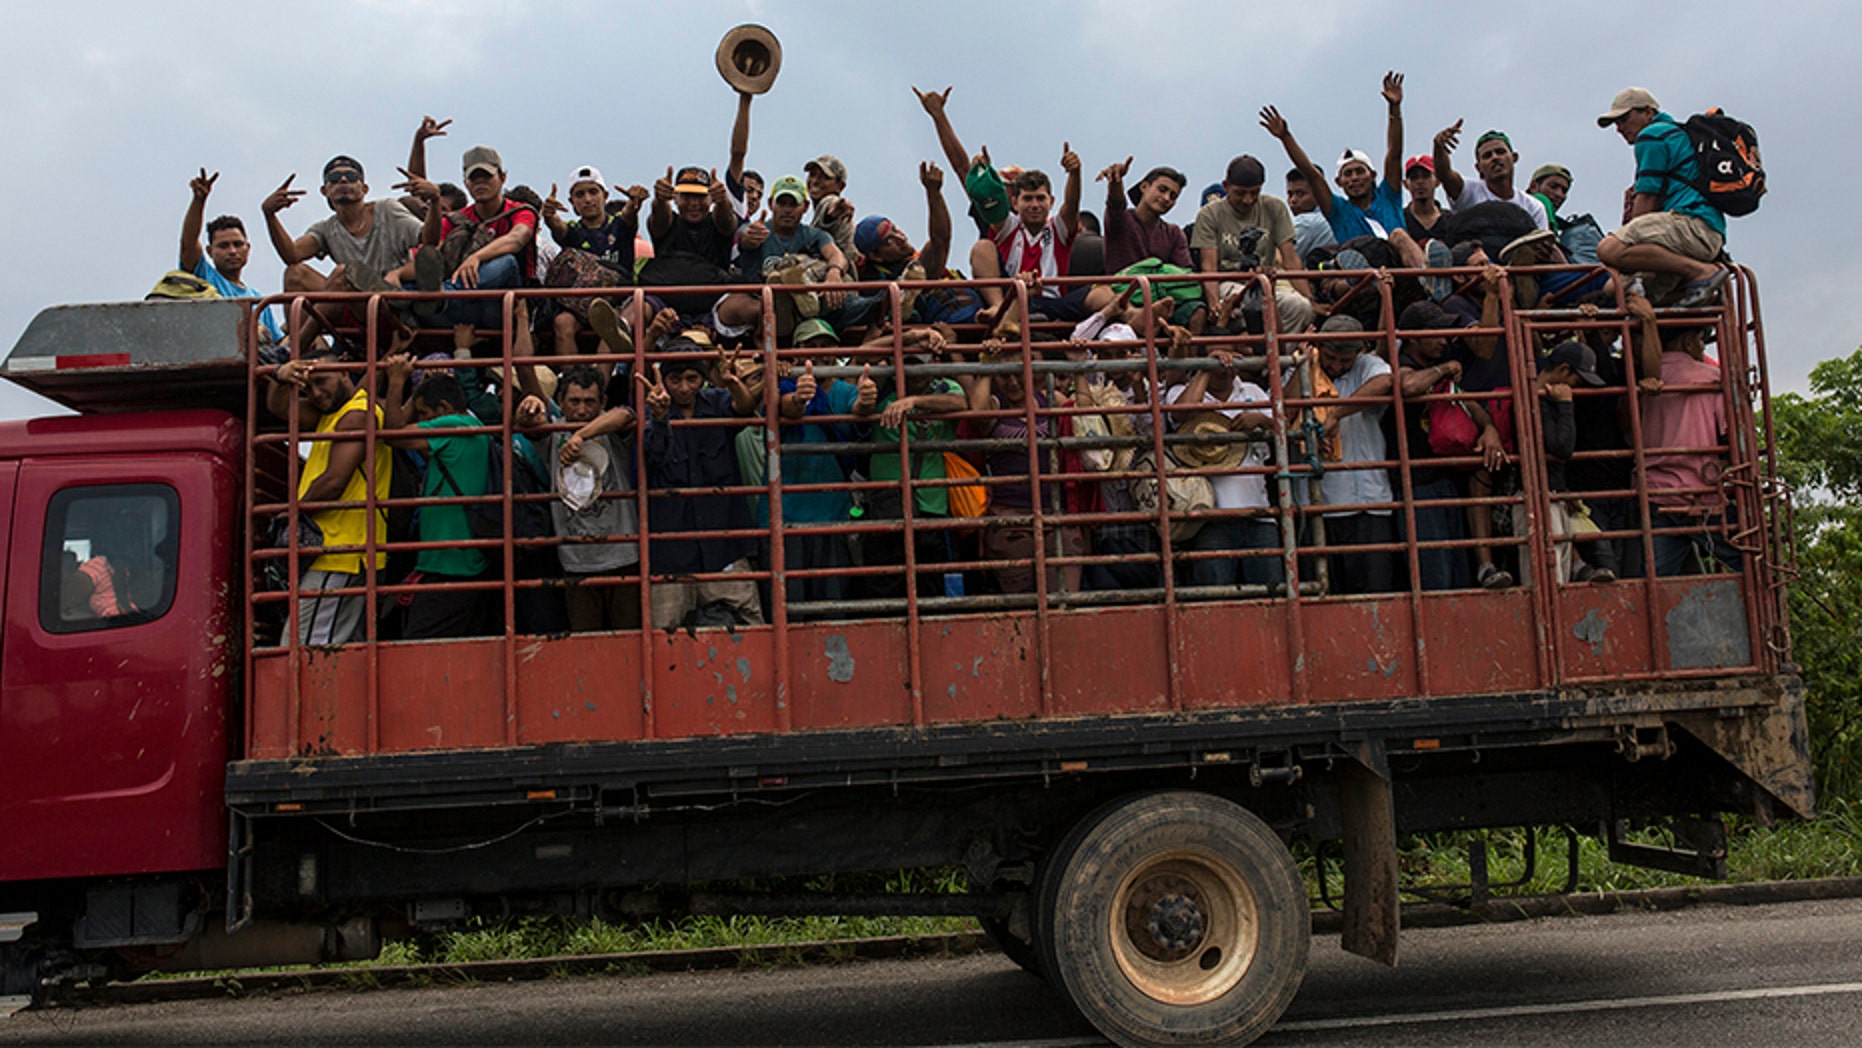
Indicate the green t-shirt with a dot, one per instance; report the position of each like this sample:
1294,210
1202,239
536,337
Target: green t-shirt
463,460
932,501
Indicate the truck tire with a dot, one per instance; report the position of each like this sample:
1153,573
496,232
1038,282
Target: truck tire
1174,918
1013,946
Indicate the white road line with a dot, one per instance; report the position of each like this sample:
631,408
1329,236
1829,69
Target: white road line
1606,1004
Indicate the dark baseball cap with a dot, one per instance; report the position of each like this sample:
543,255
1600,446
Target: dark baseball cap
1579,357
340,161
1427,316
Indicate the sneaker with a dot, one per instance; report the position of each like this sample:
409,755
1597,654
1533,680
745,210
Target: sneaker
1440,256
1601,575
1703,292
1491,577
1352,258
430,276
362,278
908,299
605,322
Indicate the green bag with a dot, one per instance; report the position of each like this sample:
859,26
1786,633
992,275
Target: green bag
1186,291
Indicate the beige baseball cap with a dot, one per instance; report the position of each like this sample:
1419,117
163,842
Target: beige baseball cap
1625,100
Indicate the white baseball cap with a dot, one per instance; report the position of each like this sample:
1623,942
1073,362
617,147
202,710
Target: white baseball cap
587,173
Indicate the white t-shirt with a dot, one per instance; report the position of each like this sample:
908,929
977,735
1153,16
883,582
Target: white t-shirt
1474,191
1361,439
1244,490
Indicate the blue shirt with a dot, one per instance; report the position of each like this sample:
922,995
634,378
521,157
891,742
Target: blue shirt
816,507
1665,168
1349,220
806,240
206,270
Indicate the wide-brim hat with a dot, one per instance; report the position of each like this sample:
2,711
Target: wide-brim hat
1519,245
749,57
1225,455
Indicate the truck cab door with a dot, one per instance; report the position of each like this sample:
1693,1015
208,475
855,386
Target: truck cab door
113,703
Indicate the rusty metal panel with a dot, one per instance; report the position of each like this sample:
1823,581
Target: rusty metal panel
270,729
1233,655
1703,623
705,683
844,675
434,695
1110,660
1769,745
1359,649
980,668
1480,643
578,688
332,715
1605,630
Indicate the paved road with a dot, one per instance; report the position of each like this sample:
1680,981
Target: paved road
1763,975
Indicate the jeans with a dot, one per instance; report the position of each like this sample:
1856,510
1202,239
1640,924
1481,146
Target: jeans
1674,554
1256,533
1441,569
496,275
1373,572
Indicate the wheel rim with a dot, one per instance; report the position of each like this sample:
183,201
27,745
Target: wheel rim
1184,927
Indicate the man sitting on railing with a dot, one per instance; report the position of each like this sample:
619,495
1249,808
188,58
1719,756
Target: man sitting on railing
491,245
784,251
886,253
1670,228
1245,231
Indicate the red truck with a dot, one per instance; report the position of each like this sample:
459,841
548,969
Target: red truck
1123,777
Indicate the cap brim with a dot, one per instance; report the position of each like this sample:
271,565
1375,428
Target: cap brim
476,168
691,187
1611,117
1591,378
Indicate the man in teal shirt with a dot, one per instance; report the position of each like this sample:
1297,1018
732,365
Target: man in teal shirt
1672,231
458,465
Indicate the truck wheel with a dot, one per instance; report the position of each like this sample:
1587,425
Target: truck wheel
1174,918
1015,948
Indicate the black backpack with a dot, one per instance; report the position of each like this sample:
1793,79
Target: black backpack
1726,151
529,520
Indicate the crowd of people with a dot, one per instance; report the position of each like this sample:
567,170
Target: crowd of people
1309,274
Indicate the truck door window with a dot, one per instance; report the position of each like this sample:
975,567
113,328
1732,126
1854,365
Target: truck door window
109,557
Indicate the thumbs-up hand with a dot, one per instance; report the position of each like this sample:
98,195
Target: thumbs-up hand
755,233
662,189
720,196
805,385
1069,160
868,391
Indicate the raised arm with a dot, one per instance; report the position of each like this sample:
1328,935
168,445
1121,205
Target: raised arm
1445,141
1483,345
290,252
1276,125
1070,203
1393,129
935,255
659,220
740,139
196,213
417,156
933,103
552,215
723,215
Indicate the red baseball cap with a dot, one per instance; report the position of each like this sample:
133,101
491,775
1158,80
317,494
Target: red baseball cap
1422,160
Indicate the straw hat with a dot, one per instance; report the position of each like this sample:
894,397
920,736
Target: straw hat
1226,455
749,57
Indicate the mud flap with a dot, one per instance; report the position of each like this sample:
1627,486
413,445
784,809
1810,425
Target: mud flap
1372,908
1769,746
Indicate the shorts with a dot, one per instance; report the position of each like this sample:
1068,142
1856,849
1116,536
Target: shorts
1683,234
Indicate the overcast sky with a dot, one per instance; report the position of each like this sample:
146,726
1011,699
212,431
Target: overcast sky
111,107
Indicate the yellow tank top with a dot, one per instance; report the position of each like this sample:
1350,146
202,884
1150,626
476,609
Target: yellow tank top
348,527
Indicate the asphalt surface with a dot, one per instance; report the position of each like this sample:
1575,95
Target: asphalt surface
1720,975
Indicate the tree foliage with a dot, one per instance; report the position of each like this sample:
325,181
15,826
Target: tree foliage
1820,445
